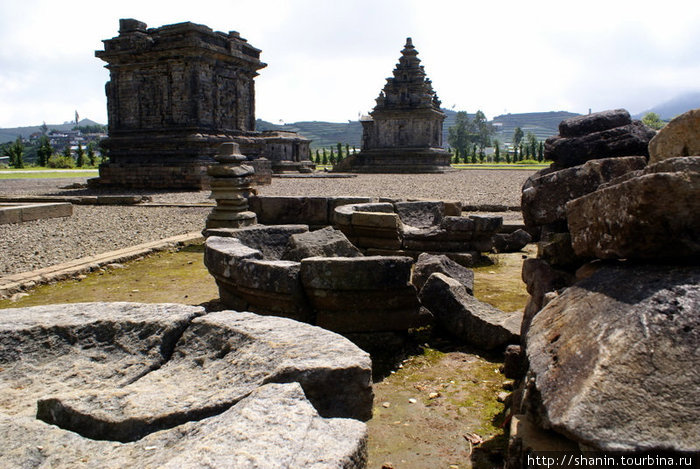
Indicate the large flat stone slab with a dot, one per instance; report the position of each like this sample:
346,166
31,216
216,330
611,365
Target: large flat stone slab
167,386
274,426
46,350
240,350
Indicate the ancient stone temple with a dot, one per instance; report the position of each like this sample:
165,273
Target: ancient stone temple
175,94
404,132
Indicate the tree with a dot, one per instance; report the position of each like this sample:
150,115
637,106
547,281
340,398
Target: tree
318,156
44,151
92,156
540,151
515,155
324,160
66,152
497,151
531,143
474,154
340,152
16,151
517,136
483,130
460,135
80,156
653,120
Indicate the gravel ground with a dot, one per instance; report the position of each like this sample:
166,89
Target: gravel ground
472,187
91,230
97,229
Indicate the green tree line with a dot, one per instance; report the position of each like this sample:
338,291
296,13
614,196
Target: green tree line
45,156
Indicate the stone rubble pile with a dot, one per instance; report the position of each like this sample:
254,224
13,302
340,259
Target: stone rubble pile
610,335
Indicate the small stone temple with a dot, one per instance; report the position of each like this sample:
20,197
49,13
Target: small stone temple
404,132
175,94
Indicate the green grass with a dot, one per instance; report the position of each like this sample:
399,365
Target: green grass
34,173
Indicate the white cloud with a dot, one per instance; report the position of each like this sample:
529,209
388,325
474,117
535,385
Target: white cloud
328,60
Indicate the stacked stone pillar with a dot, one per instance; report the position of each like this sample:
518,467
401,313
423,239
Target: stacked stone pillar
231,185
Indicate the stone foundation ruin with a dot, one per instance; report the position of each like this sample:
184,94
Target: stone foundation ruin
116,385
359,277
175,94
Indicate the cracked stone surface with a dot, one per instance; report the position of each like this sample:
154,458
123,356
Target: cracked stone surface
135,379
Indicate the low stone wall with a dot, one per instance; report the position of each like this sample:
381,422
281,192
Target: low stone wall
20,213
190,175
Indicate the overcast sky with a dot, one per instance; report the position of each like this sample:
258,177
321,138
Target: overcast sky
328,59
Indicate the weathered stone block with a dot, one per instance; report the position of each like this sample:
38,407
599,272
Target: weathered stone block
270,240
217,362
327,242
458,223
290,210
390,243
467,318
655,216
626,140
356,273
596,122
556,250
388,221
544,198
265,429
611,363
486,224
420,214
403,298
680,137
541,278
374,320
511,242
428,264
223,255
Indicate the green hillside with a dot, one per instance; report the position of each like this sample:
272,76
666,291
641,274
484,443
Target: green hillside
321,134
542,124
10,134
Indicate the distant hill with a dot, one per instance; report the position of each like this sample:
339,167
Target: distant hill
674,107
10,134
322,134
327,134
542,124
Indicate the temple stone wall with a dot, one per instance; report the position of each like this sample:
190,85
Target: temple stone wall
404,131
175,94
